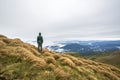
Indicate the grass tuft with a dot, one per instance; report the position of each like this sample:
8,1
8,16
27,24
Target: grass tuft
67,61
50,59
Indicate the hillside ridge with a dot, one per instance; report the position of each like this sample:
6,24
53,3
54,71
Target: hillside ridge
22,61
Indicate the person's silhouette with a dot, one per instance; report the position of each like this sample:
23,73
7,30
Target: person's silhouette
40,42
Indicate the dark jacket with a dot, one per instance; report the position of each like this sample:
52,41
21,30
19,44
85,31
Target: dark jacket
39,39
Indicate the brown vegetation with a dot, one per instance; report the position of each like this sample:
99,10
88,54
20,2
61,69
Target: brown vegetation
67,61
60,74
22,61
50,59
56,56
112,58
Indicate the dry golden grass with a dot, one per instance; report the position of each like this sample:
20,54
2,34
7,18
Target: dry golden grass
31,48
47,54
51,66
79,69
113,68
56,56
46,73
67,68
62,66
31,57
60,74
67,61
90,77
94,68
8,50
76,60
86,62
45,50
2,44
35,52
5,39
110,75
27,46
101,68
24,54
2,36
15,42
50,59
84,71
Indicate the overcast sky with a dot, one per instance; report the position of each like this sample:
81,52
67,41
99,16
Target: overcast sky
60,19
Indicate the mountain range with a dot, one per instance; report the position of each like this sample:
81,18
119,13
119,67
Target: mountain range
85,47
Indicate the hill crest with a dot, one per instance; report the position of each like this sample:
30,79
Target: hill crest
21,60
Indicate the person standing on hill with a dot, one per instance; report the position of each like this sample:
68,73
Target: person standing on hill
40,42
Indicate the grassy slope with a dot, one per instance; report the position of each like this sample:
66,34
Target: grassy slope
112,58
22,61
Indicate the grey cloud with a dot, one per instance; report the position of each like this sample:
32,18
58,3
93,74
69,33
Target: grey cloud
60,19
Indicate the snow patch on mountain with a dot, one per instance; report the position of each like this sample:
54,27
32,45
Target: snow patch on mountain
118,47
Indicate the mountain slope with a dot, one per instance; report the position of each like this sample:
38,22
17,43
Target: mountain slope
19,60
86,48
112,58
